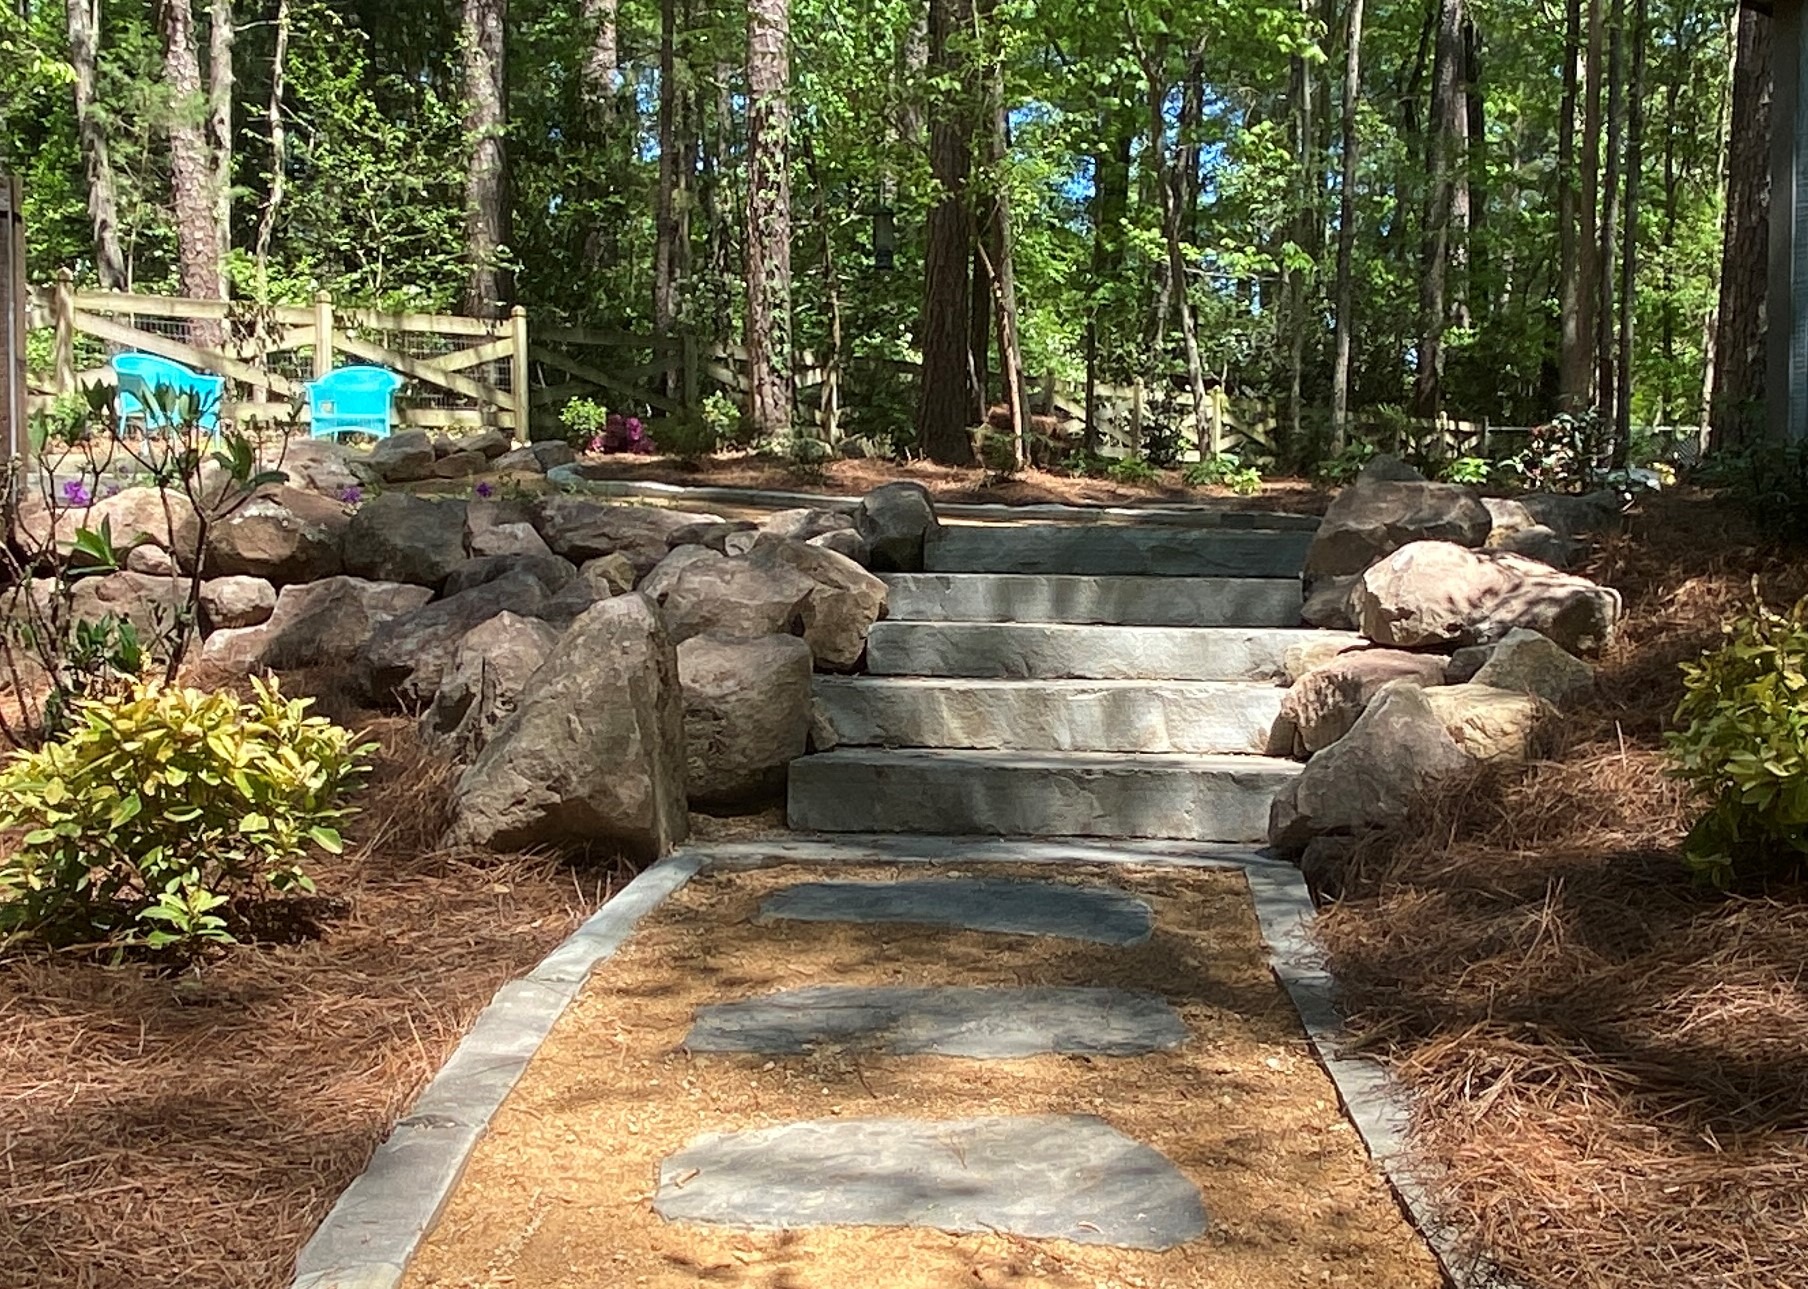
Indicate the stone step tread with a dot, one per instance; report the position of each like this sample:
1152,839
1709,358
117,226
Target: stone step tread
1100,600
1117,550
1087,651
1076,686
1185,796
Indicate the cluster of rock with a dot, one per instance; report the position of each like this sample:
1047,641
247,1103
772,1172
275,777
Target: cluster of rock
594,666
1473,638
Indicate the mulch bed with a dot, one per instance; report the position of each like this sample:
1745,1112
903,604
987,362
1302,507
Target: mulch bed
1611,1063
191,1129
954,483
558,1194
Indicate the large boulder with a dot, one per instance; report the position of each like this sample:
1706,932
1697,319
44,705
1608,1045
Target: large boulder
1385,468
1529,663
1397,750
712,533
228,603
1327,602
616,572
149,603
550,571
406,658
897,520
581,529
487,443
665,576
315,625
1437,593
490,667
746,715
841,611
322,466
508,539
1489,724
1372,518
406,456
133,516
537,458
802,524
1327,701
736,597
594,752
1514,529
283,535
401,538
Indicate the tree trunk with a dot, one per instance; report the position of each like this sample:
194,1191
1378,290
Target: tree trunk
1736,409
1589,250
946,395
266,223
192,175
220,37
602,60
1449,121
998,249
768,217
1111,201
84,18
488,288
1345,313
1572,344
1629,258
665,203
1607,383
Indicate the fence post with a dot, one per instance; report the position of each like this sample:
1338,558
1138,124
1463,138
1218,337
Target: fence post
691,365
518,373
323,335
62,303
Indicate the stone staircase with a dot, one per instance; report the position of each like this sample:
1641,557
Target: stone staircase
1097,680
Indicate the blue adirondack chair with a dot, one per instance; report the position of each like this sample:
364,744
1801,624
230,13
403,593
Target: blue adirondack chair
141,375
352,400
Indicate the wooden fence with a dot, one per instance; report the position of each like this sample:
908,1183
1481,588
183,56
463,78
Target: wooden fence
12,320
460,371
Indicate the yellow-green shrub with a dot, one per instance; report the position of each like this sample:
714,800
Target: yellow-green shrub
1742,744
161,806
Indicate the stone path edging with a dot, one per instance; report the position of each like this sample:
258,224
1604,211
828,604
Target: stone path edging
1202,516
379,1221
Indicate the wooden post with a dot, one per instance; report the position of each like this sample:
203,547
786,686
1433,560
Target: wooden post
62,304
691,372
518,373
323,335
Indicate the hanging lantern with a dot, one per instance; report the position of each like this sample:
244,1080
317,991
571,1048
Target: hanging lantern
885,239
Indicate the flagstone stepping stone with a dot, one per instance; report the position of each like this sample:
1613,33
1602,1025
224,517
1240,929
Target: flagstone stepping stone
1054,1176
982,1024
1094,913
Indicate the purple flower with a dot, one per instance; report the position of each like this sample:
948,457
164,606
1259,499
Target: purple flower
485,489
633,427
111,490
75,493
351,494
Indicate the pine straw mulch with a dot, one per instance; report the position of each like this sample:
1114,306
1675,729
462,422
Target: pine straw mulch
191,1129
1611,1065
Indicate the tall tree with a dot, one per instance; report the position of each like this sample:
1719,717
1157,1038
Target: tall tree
1572,345
768,216
483,32
1344,314
221,36
1450,123
1629,254
1606,380
997,246
1736,409
200,255
665,211
84,22
948,398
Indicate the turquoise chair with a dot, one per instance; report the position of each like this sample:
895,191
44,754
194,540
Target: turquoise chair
140,375
352,400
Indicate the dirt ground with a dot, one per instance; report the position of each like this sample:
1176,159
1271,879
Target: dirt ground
189,1131
955,484
559,1192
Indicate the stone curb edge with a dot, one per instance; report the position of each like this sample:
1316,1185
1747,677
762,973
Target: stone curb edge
375,1227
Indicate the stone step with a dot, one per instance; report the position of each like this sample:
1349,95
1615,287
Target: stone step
1046,794
1116,550
1116,601
1195,717
1059,650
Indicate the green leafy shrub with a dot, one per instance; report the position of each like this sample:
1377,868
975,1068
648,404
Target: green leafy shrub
1347,464
160,807
689,436
1132,470
1742,746
583,419
1566,454
1769,482
1469,470
1225,470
